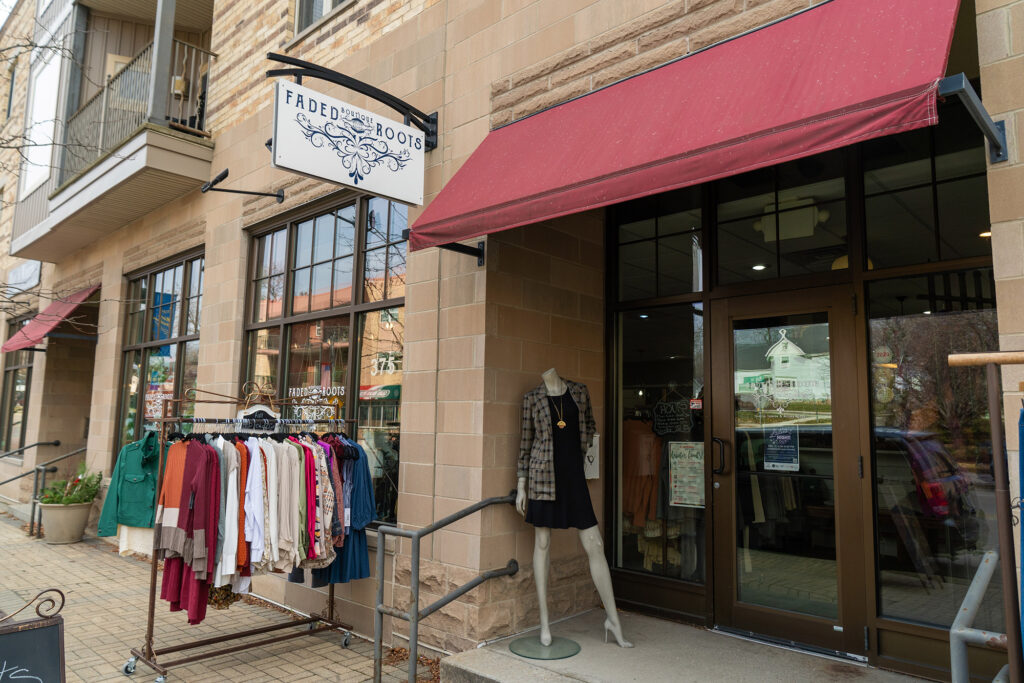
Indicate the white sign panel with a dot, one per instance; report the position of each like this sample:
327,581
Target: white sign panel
22,278
320,136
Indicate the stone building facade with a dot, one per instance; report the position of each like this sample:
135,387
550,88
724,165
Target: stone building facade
475,338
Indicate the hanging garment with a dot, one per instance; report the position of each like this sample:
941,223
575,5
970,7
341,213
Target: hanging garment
353,560
131,496
227,556
165,534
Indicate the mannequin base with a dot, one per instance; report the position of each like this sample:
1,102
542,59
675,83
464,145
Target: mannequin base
530,647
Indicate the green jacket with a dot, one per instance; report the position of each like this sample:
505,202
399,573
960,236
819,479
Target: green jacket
131,498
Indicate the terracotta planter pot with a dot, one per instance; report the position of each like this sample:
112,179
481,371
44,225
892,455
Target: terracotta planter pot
64,523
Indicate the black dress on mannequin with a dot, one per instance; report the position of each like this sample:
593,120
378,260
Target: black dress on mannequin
571,506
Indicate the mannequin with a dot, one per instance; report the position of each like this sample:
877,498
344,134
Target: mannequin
590,537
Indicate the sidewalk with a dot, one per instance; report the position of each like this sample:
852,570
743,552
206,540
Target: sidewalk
664,651
105,616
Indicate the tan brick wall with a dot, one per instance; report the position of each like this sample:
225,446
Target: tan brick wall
15,33
1001,53
619,50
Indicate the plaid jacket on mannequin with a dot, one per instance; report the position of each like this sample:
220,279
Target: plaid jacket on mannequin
536,451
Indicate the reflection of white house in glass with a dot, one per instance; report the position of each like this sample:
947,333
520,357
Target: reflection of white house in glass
792,374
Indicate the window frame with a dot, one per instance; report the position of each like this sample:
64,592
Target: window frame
299,32
356,310
179,339
353,310
9,370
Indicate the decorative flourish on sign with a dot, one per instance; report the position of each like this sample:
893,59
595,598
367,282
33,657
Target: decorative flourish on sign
355,143
47,607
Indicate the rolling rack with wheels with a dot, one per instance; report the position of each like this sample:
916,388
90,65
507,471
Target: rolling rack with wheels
150,655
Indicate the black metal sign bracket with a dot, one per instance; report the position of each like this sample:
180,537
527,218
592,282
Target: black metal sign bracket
413,116
995,131
479,250
210,187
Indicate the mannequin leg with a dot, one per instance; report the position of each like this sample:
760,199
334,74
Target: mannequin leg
541,561
591,540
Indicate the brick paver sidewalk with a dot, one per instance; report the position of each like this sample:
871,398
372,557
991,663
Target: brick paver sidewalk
105,616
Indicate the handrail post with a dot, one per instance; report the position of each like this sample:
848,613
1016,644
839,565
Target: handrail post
32,508
414,609
1011,605
378,616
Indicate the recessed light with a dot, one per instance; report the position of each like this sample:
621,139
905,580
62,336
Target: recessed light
759,266
644,316
987,233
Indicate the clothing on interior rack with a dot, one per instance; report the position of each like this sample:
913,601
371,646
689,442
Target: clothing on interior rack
236,505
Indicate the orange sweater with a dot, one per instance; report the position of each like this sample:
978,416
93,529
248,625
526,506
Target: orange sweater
165,527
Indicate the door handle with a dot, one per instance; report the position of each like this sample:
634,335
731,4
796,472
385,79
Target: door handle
720,469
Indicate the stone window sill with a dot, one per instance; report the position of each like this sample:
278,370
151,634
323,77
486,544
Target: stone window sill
317,25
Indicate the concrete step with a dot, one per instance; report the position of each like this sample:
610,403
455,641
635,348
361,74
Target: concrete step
488,666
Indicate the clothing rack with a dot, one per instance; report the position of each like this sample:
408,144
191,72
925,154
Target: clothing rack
326,621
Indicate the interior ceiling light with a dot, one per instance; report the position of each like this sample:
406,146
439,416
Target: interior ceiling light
644,316
927,312
987,233
759,266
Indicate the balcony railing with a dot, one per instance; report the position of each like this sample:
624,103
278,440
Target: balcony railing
110,116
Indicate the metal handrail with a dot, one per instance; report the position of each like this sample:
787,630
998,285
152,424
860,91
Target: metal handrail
55,442
39,486
414,614
962,632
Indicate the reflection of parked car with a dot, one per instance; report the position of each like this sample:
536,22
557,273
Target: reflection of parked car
926,503
923,497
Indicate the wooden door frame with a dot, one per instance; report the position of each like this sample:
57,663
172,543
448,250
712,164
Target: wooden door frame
851,490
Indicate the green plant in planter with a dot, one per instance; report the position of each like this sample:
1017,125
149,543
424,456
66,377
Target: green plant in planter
80,489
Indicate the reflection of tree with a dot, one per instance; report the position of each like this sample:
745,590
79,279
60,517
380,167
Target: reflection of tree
926,394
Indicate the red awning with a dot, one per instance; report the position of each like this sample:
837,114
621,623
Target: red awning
45,322
838,73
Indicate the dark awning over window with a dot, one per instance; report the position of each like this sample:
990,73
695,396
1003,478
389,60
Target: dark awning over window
838,73
47,321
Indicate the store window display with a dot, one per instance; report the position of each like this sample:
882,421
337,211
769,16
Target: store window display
557,429
661,433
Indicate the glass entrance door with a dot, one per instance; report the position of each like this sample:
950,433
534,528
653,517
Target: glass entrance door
787,486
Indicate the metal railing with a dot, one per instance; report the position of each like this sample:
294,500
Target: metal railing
190,75
962,632
414,613
110,116
25,448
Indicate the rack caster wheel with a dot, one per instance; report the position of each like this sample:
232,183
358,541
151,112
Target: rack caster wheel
347,640
129,667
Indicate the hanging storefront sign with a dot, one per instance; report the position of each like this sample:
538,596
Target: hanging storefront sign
323,137
380,392
22,278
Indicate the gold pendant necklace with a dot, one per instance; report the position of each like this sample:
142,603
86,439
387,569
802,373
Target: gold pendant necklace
558,411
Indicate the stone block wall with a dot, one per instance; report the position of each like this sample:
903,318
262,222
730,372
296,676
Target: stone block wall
14,61
1001,52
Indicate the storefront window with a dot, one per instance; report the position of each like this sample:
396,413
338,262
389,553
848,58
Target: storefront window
17,379
933,479
783,221
321,284
661,442
161,355
382,336
925,193
660,251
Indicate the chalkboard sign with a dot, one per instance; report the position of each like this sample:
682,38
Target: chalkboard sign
32,651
